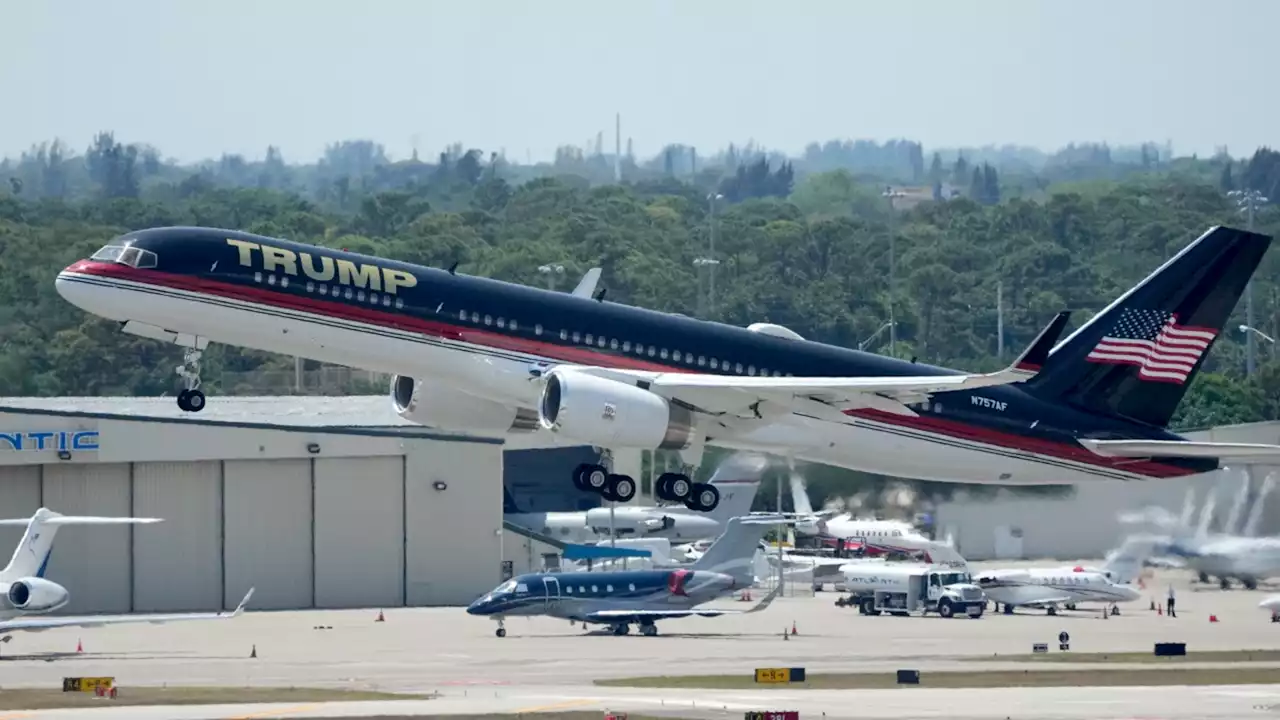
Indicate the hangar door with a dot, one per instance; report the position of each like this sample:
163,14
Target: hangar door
178,562
92,562
268,533
359,526
19,498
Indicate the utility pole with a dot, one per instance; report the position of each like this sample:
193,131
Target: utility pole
1248,201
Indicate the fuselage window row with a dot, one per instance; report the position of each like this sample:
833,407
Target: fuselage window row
513,326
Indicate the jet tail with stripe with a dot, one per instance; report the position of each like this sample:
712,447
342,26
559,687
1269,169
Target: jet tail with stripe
1136,358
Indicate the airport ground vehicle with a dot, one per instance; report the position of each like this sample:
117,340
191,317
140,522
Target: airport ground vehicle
909,588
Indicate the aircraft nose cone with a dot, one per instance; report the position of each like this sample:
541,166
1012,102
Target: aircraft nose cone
475,608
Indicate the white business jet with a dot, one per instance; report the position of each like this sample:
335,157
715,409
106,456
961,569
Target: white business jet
1050,587
25,594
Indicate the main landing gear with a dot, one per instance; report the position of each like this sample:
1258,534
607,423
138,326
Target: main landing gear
677,487
502,629
190,399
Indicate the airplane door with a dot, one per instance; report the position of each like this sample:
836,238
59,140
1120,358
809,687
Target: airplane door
552,587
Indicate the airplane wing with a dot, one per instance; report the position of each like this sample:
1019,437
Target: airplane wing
1238,453
828,397
38,623
636,616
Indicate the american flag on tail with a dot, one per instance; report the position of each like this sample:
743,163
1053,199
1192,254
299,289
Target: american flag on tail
1163,350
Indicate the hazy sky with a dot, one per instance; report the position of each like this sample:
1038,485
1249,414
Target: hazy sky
200,78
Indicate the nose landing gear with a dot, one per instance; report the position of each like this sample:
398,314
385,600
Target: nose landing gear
190,399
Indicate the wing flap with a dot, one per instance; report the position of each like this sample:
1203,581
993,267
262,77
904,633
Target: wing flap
1228,452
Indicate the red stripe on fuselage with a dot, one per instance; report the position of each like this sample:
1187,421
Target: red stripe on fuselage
370,315
409,323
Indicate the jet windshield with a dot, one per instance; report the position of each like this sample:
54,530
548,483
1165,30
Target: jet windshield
126,255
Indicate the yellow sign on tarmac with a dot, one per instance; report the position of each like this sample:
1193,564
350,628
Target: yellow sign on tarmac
88,684
773,675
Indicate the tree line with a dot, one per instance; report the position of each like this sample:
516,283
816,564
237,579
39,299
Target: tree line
805,248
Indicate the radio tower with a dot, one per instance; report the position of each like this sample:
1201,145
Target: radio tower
617,149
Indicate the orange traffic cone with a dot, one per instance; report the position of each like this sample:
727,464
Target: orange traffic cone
79,646
1213,618
380,618
1160,609
793,627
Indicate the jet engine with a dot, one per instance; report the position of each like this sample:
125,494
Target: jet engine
438,406
608,413
34,594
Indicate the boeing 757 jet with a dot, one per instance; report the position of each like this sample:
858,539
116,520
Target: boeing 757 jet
471,354
25,594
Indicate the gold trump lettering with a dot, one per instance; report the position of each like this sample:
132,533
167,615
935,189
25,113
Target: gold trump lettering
347,272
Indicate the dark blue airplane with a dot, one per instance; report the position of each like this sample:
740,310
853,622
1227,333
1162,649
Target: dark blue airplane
638,597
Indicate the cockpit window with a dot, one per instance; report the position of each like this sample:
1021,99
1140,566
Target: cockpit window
506,587
131,256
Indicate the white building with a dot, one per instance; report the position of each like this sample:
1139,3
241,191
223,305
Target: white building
1085,524
319,502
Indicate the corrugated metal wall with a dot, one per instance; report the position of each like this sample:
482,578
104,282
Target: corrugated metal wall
92,562
322,532
438,571
178,563
268,532
359,532
19,497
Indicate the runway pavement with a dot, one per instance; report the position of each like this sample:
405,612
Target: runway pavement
1171,703
544,661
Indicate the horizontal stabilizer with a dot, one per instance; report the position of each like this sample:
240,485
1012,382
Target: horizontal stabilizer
60,520
52,622
1239,453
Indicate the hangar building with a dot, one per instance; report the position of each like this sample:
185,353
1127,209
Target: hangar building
318,502
1085,523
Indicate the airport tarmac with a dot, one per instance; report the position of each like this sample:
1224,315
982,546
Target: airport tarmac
445,650
1162,703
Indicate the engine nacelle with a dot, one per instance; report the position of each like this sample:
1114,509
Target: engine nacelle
32,594
608,413
436,405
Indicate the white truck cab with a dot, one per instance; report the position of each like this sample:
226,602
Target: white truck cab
909,588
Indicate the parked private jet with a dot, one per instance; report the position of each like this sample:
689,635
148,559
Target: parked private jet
26,592
477,355
1051,587
620,599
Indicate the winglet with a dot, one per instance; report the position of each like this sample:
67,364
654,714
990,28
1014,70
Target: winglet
240,608
587,285
1034,357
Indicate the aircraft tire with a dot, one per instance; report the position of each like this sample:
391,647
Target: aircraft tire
703,498
195,401
662,489
621,488
501,632
675,484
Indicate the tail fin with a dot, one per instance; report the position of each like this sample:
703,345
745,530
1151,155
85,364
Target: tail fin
945,553
31,558
1136,358
733,553
738,480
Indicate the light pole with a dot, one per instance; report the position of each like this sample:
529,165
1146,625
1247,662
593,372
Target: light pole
711,261
552,271
710,264
890,194
863,345
1250,331
1248,202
